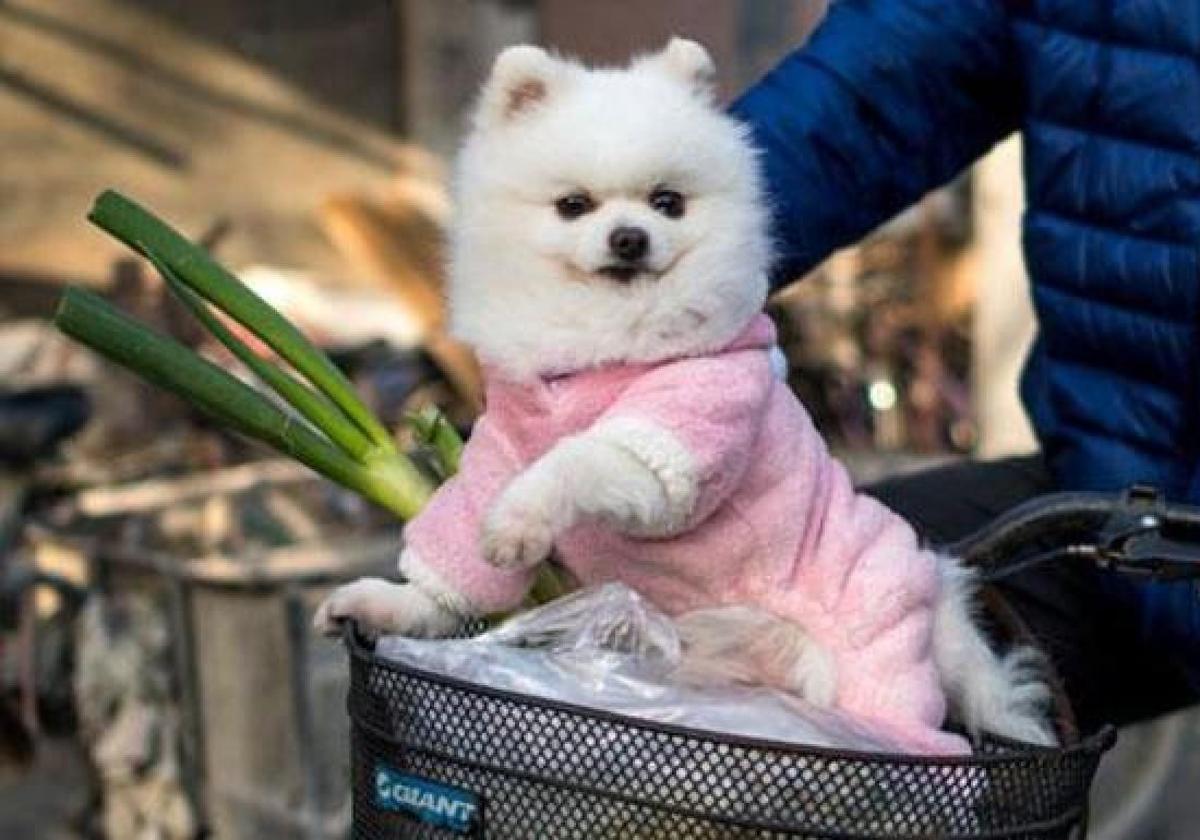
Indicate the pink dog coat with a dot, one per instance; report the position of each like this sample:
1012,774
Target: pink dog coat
765,516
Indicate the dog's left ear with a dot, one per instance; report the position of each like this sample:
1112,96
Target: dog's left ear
689,62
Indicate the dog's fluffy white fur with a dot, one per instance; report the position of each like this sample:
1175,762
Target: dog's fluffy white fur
528,291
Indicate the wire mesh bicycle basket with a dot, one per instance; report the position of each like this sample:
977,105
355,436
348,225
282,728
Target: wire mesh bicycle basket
436,757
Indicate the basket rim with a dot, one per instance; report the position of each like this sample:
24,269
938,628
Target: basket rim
1016,752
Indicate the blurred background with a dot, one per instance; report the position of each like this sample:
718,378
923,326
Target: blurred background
157,675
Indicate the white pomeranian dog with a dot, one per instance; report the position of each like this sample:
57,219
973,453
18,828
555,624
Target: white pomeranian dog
609,262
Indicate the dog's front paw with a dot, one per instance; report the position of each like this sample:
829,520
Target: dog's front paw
380,607
518,533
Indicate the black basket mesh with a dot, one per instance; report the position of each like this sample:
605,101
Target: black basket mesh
544,771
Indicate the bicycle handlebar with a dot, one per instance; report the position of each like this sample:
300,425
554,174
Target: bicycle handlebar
1136,532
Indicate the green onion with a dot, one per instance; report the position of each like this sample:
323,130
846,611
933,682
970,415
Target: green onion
192,266
322,424
434,432
390,481
323,414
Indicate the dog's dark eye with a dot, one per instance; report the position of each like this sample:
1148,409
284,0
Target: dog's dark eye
667,202
574,205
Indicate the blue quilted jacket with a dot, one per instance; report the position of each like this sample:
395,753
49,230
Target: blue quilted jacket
893,97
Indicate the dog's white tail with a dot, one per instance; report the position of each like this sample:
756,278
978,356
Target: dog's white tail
1003,695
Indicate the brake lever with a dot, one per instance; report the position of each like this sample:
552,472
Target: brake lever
1132,542
1153,555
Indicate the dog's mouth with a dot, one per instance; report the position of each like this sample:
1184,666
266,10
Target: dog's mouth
623,273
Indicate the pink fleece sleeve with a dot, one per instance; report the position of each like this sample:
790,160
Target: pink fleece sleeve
446,534
711,409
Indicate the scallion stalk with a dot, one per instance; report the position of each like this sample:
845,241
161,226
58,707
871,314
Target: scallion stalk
323,424
389,479
191,264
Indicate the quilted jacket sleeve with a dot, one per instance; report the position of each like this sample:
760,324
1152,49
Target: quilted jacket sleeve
889,99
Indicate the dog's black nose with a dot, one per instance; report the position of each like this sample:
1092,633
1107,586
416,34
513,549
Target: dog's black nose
629,243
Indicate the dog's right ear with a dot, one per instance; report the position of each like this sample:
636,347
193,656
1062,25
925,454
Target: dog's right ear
521,80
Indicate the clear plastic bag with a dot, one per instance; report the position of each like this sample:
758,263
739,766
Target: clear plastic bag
607,648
